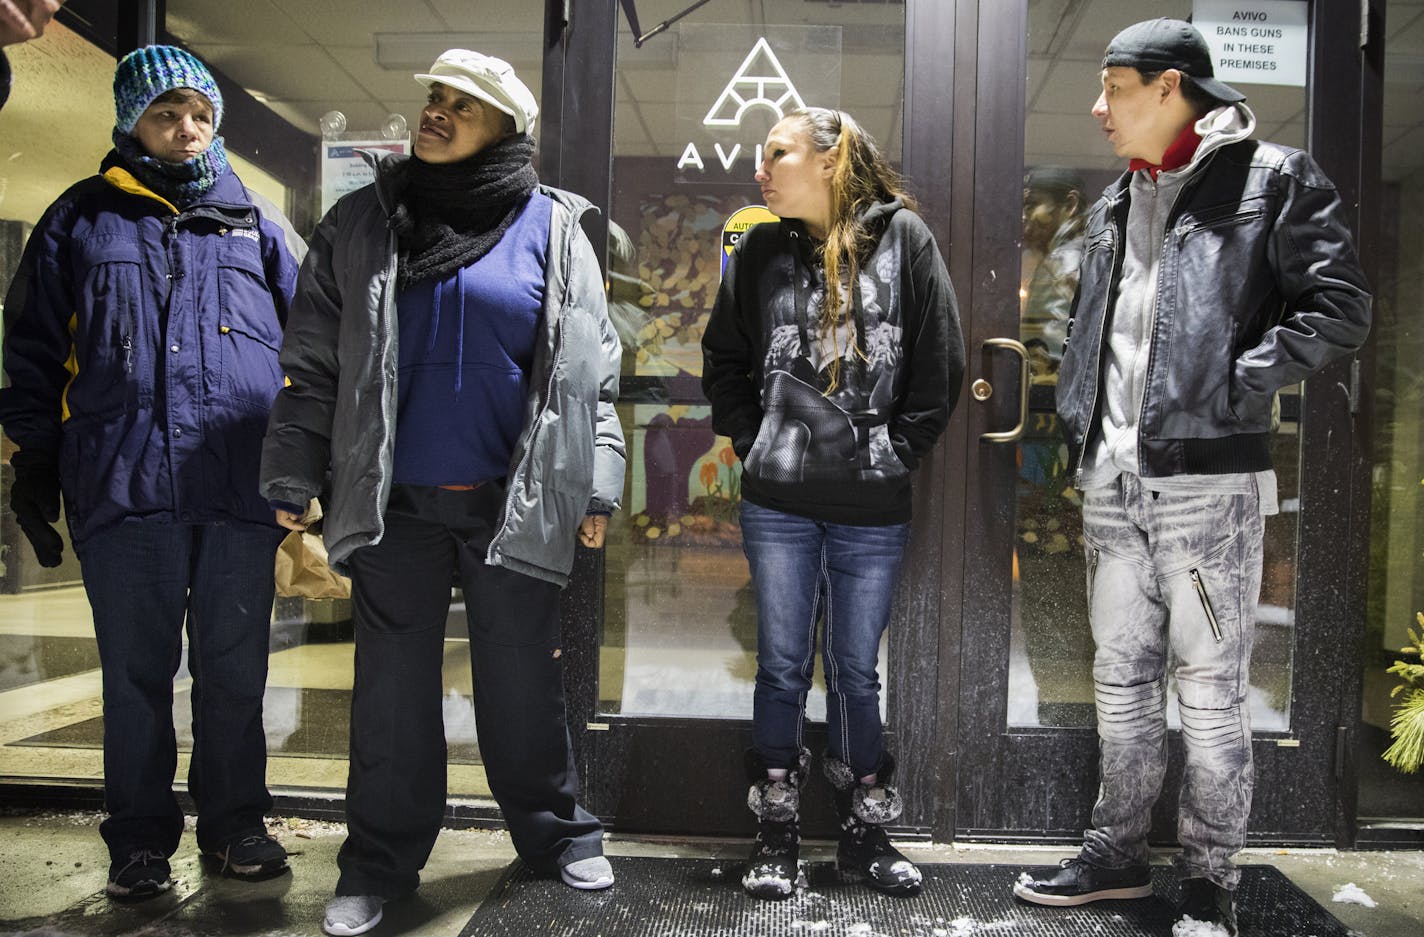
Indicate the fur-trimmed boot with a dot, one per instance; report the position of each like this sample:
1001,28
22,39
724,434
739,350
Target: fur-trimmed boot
864,850
772,867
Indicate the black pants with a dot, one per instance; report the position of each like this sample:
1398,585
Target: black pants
395,794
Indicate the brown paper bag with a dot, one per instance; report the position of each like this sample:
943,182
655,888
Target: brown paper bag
301,570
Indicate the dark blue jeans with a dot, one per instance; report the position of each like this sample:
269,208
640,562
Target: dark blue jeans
145,579
808,573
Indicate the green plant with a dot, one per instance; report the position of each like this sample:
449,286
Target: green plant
1406,726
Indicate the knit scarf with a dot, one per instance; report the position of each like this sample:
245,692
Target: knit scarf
180,183
452,214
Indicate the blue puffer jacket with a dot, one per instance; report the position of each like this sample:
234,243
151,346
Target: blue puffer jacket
141,348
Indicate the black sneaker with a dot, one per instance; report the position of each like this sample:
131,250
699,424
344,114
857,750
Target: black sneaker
865,852
254,856
1078,881
1206,902
143,873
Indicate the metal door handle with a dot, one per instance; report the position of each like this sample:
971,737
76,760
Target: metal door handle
981,390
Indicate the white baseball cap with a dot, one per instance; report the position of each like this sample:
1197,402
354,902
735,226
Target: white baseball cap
487,78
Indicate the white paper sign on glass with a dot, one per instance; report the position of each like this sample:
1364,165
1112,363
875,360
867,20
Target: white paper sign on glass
344,170
1263,42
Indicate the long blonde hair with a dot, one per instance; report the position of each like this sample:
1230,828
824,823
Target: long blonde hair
860,177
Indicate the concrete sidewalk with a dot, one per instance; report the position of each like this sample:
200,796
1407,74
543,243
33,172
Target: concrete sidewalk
53,869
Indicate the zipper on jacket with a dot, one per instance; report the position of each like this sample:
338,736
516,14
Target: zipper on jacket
1152,327
1098,354
128,354
1206,605
1092,573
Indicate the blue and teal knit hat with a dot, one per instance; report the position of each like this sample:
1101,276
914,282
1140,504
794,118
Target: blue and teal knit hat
146,73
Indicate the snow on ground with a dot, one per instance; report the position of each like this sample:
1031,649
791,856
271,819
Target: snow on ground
1190,927
1350,893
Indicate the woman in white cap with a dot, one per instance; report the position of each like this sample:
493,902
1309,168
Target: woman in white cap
453,374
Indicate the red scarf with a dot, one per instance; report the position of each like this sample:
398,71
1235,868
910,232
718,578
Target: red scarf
1178,154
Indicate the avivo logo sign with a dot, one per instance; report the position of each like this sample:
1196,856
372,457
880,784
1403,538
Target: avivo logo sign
760,82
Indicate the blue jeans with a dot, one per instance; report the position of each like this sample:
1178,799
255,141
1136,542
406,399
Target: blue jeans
145,579
1178,573
808,573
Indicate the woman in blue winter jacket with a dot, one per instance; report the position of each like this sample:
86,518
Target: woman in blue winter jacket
453,375
142,363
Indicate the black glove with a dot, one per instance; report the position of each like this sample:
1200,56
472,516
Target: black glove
34,497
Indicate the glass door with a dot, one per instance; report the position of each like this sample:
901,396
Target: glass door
677,656
1027,721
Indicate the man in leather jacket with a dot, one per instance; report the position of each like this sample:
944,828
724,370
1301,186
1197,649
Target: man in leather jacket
1216,271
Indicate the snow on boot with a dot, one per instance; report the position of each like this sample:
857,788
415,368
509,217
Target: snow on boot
864,850
772,867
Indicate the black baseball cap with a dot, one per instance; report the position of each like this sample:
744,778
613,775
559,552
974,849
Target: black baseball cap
1156,45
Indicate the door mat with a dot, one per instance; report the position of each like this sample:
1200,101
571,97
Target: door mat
704,898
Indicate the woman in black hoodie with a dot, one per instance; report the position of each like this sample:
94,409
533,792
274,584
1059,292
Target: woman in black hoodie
831,397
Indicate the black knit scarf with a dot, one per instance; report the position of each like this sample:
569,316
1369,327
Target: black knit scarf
450,215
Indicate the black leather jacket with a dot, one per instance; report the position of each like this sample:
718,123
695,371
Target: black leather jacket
1258,288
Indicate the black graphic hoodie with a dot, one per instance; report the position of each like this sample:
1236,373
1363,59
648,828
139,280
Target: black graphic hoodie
843,457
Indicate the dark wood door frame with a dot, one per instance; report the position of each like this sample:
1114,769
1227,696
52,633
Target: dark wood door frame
936,44
1343,127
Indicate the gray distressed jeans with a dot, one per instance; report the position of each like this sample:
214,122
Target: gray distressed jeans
1178,573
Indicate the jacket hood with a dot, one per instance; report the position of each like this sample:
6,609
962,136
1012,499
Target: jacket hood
876,217
1224,125
880,212
1227,124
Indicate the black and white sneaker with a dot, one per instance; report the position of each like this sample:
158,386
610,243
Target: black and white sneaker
254,856
143,873
1078,881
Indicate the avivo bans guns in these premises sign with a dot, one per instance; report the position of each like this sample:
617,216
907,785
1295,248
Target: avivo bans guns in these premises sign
1263,42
